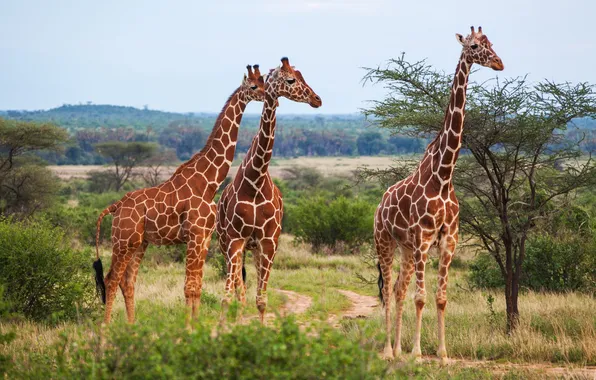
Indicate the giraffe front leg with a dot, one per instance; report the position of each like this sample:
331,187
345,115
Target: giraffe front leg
267,254
447,247
127,284
233,254
196,253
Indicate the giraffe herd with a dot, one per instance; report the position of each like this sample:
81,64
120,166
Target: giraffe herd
415,214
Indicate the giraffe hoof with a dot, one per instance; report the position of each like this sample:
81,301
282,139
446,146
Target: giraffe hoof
388,353
444,361
417,353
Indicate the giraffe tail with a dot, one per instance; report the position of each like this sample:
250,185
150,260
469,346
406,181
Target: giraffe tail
97,265
244,269
380,283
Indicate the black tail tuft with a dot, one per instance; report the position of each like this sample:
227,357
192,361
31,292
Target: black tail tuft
243,273
381,283
99,283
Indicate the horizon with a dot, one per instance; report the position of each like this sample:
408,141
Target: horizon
210,113
178,56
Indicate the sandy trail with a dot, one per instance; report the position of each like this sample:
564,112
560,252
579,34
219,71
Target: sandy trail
362,307
295,304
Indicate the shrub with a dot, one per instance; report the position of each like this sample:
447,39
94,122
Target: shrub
336,223
246,352
558,264
44,279
101,181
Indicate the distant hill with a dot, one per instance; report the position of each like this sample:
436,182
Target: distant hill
96,116
84,116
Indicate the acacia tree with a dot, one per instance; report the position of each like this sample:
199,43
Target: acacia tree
125,157
155,165
517,164
25,184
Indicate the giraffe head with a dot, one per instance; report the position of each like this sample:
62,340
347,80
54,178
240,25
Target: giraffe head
478,49
289,83
253,84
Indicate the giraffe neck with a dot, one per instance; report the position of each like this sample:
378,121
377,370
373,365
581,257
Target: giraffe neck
216,157
256,162
450,137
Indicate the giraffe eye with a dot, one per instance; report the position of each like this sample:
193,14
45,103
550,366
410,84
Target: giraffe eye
475,46
253,87
291,81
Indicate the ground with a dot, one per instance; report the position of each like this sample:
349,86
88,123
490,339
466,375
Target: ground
327,165
557,334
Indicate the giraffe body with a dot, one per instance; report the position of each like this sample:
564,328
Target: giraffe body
180,210
250,209
421,211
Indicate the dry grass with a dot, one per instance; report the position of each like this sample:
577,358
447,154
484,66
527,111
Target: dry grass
554,328
327,165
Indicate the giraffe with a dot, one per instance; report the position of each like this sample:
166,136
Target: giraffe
180,210
421,210
250,208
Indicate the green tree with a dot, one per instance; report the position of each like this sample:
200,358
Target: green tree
125,157
20,137
370,143
25,184
514,139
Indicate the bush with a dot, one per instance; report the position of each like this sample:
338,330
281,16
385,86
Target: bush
44,279
246,352
337,223
81,220
557,264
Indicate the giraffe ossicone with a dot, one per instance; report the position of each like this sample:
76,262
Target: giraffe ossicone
179,210
250,209
422,211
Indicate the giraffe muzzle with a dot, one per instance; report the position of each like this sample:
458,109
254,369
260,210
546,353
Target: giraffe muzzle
497,64
315,101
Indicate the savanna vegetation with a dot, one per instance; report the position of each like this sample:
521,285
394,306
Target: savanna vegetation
528,222
185,134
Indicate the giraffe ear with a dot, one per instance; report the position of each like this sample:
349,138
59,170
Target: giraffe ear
459,38
244,79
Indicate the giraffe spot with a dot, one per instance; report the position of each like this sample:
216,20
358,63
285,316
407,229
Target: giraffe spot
447,157
218,160
225,139
417,193
230,153
204,209
462,79
211,172
443,143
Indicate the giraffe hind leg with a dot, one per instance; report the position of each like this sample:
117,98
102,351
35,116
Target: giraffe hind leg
121,256
401,287
447,248
385,247
127,283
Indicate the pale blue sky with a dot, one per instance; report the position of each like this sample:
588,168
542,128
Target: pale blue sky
190,55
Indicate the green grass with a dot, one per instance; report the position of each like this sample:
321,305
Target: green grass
558,329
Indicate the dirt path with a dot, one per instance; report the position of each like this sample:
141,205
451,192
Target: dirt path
362,307
295,304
